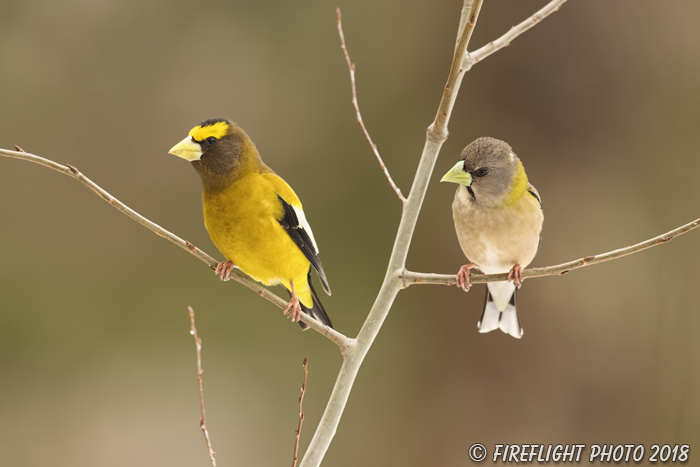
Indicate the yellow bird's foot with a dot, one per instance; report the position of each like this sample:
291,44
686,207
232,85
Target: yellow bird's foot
463,279
223,270
516,275
293,308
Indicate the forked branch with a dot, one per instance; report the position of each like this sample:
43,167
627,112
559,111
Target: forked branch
504,41
436,135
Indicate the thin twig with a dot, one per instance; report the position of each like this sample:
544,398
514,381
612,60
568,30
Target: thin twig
504,41
341,340
351,67
200,371
411,278
301,412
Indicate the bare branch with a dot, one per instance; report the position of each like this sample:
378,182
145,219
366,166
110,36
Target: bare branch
504,41
341,340
301,412
351,67
411,278
202,419
437,134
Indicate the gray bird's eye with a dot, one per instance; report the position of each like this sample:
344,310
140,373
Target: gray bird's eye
211,141
481,172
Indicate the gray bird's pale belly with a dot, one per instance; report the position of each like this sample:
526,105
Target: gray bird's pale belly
497,238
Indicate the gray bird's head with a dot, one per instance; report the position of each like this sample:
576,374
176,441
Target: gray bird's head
489,170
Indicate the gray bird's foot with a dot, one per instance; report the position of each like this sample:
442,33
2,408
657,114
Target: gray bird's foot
223,270
463,280
516,275
293,308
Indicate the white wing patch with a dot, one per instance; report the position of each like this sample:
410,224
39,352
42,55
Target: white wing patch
304,224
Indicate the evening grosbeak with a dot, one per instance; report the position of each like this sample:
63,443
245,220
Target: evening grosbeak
498,218
253,217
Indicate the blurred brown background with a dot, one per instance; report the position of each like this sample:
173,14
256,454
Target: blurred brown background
97,368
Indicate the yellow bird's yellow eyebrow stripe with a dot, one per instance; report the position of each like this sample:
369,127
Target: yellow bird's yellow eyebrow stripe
217,130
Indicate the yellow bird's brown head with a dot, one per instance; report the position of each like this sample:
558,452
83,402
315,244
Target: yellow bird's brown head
220,151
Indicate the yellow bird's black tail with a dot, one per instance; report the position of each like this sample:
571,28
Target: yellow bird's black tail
317,311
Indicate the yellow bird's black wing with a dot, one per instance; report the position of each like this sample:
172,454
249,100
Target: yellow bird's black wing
296,230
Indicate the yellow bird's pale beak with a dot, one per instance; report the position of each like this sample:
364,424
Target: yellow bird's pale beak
457,175
187,149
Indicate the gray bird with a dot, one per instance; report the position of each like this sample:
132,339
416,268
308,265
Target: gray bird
498,218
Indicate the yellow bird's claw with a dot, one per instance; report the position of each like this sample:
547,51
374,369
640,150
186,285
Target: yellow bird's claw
223,270
293,309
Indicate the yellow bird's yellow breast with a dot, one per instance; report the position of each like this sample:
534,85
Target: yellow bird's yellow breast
243,223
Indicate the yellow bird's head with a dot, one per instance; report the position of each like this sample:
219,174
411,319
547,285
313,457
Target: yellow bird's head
218,149
202,137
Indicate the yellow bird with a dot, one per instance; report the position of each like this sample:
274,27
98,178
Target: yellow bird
253,217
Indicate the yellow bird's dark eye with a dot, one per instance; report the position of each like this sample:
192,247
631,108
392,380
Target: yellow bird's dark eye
481,172
211,141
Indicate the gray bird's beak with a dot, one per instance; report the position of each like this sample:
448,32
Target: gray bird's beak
187,149
458,175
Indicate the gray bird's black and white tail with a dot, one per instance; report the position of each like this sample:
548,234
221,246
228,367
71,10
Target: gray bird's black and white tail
499,310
